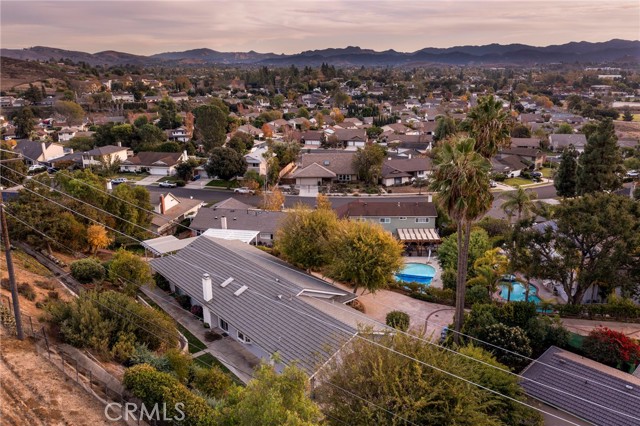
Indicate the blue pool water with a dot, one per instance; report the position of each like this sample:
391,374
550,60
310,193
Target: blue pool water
416,273
518,292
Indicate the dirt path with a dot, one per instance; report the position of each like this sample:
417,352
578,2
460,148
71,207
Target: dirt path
35,393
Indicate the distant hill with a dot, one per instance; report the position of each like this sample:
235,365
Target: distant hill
491,54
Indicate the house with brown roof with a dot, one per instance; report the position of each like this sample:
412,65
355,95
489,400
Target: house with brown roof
319,169
349,137
404,170
537,157
172,210
531,143
156,163
108,154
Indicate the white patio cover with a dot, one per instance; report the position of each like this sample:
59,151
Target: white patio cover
418,235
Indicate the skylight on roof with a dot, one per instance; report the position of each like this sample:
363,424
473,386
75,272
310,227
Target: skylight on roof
226,282
240,290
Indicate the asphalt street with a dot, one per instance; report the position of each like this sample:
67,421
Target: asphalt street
217,195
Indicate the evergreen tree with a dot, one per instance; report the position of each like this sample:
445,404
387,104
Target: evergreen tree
601,163
565,178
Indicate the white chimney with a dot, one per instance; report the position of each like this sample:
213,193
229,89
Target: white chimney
109,185
430,198
207,291
119,144
223,222
409,156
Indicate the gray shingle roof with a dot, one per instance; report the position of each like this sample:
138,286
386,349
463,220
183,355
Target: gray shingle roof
625,401
249,219
314,170
340,163
287,325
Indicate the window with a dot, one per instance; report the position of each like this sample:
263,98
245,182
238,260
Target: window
266,236
224,325
325,162
385,220
344,178
422,220
403,218
243,337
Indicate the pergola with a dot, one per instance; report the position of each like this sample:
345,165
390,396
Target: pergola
421,238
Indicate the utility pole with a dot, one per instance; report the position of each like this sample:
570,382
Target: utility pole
12,277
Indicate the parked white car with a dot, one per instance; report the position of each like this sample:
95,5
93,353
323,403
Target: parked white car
244,190
119,180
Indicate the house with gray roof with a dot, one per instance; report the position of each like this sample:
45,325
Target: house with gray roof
263,303
156,163
38,152
108,154
573,385
558,142
320,169
233,214
510,165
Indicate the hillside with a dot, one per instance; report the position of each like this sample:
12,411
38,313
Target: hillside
492,54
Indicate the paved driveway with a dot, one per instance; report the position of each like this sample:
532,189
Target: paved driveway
148,180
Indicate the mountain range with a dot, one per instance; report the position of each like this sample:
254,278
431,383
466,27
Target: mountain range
615,50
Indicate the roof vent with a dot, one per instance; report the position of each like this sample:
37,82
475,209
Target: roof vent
240,290
628,387
277,280
226,282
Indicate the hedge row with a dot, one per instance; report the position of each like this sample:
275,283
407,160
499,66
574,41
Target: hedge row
622,311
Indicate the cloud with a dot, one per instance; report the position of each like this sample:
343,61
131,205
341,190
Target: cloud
290,26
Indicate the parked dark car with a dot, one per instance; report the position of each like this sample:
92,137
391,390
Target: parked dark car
196,177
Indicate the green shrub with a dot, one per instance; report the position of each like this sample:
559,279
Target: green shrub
161,282
444,296
180,183
142,355
449,279
179,363
98,319
398,320
88,270
213,382
26,290
154,387
512,338
477,294
124,348
184,301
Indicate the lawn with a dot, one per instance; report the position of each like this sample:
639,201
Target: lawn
169,179
132,176
547,172
195,345
517,181
223,184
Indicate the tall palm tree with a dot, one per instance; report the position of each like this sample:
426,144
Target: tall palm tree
520,201
488,123
462,182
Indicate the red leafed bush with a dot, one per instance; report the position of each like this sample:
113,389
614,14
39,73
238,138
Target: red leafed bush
611,347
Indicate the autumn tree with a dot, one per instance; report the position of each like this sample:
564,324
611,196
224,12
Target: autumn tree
273,199
363,255
303,236
323,202
129,271
97,238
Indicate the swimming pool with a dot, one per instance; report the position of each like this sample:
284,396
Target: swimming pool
416,273
518,292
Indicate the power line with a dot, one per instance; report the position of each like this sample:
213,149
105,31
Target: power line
166,341
448,349
591,402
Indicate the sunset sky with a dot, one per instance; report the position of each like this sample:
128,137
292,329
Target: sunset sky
291,26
